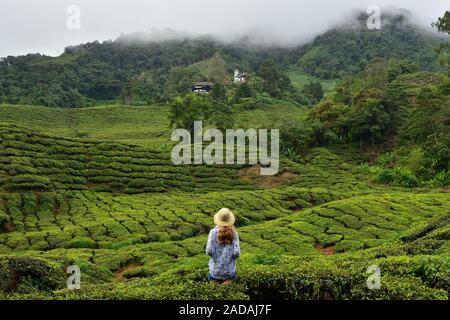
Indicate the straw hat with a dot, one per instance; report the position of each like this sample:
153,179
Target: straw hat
224,218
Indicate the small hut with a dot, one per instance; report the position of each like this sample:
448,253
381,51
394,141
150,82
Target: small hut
202,87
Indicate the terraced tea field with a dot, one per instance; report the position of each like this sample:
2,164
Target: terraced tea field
32,161
143,126
109,200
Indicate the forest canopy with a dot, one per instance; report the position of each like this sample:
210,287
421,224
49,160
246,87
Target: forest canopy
136,72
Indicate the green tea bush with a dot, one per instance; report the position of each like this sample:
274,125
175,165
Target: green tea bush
401,288
28,275
435,271
406,178
296,282
266,258
17,241
309,237
4,218
349,245
42,163
81,242
138,290
386,176
28,182
442,178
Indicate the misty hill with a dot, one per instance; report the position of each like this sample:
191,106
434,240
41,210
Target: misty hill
93,72
349,48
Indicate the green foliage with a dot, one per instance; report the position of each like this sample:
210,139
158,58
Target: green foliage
137,72
291,154
193,107
64,164
443,26
390,104
295,136
218,92
243,91
442,179
266,258
274,82
348,50
370,120
29,275
398,67
188,109
400,176
406,178
223,116
360,115
314,92
427,125
125,69
142,291
434,271
342,279
218,69
141,90
179,81
386,176
95,187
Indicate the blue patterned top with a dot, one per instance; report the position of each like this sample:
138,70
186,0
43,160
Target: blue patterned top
222,265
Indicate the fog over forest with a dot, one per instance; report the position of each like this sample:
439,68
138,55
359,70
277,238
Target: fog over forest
41,26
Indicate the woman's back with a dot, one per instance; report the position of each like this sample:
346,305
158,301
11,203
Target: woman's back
223,248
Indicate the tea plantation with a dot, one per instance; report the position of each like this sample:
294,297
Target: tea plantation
107,198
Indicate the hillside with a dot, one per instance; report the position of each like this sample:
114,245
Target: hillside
86,176
92,73
32,161
349,48
145,126
95,203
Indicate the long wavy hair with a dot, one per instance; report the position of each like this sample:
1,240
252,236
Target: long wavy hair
226,235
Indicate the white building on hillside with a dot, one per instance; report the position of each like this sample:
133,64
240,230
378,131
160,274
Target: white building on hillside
239,77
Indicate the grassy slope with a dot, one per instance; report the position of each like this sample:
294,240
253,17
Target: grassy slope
328,203
300,79
136,125
144,126
62,59
205,68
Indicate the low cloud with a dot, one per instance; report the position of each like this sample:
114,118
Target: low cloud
40,26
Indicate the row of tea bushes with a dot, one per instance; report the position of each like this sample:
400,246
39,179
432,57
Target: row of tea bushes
34,161
301,234
86,219
402,277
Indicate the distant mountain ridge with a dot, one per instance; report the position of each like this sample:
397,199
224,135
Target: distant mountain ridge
95,72
350,47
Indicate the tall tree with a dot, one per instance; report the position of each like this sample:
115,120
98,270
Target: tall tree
443,25
243,91
218,92
369,119
270,75
314,91
196,107
218,68
376,75
188,109
179,81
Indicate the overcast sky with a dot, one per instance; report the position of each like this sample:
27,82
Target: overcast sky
30,26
